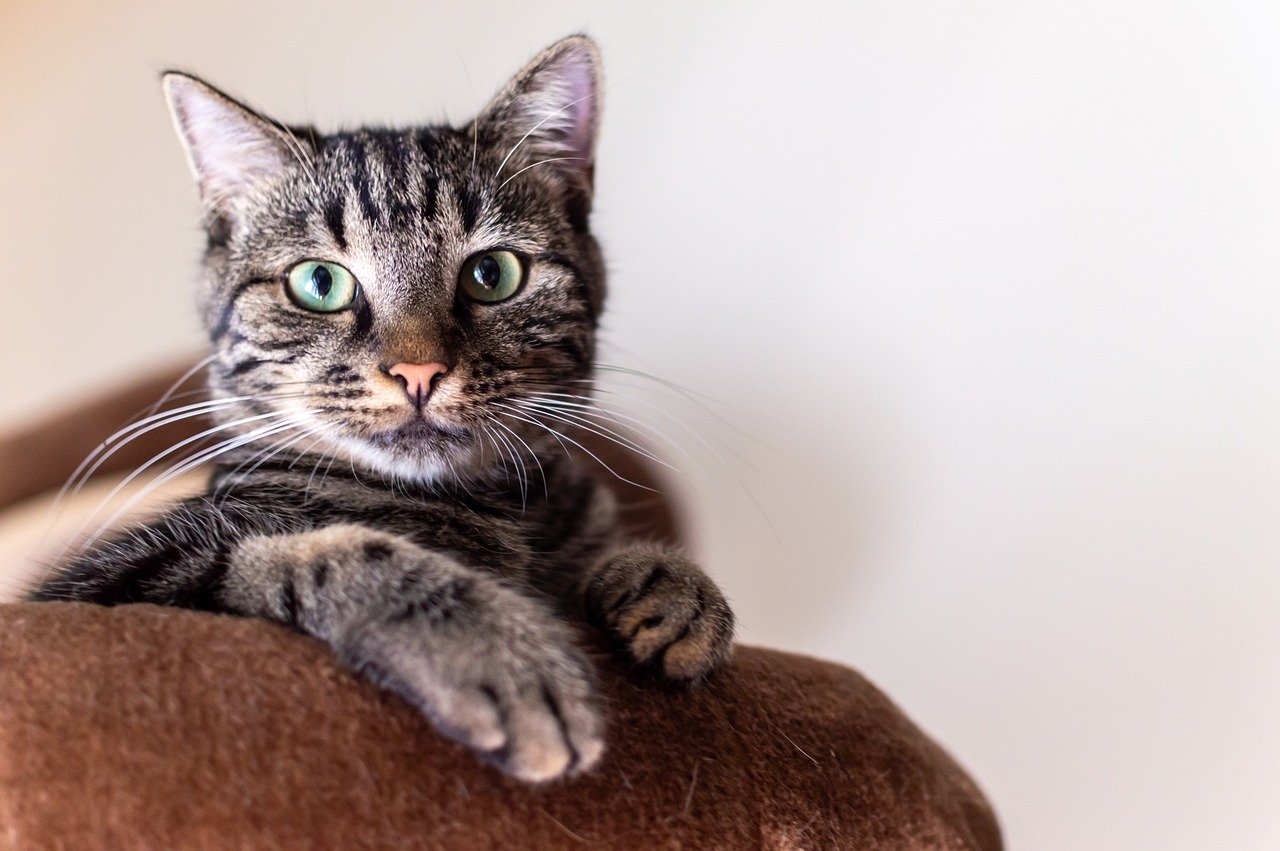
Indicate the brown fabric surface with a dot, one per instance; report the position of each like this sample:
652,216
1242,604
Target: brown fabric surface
160,728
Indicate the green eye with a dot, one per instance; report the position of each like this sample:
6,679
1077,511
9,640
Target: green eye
492,276
322,287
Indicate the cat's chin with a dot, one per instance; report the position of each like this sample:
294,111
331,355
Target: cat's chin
420,450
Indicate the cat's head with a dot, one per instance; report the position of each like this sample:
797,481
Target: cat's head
388,295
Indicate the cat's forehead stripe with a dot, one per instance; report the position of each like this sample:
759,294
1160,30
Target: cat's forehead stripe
393,175
334,213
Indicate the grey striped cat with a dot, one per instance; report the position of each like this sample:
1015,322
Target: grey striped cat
396,317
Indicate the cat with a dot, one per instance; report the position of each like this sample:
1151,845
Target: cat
393,314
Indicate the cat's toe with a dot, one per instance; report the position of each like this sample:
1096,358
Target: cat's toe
686,639
521,697
553,729
471,717
704,645
664,611
537,750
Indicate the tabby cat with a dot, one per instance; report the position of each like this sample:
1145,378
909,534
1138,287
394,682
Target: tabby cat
393,314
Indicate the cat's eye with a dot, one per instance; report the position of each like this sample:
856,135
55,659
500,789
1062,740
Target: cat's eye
492,276
322,287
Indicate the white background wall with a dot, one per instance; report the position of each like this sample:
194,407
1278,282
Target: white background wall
993,286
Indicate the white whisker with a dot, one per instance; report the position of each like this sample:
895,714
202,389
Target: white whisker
260,458
186,442
173,472
95,460
593,408
538,163
560,435
542,473
521,471
299,152
534,129
183,380
604,432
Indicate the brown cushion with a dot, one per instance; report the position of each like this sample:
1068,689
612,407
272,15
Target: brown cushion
148,727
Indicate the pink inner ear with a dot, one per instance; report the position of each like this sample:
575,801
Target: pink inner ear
228,147
550,110
582,94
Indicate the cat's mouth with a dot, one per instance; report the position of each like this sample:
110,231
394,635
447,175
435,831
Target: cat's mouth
417,432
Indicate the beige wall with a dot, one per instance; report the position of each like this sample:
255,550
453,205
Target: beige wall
994,285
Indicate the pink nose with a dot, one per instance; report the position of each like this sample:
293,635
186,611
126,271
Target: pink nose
419,379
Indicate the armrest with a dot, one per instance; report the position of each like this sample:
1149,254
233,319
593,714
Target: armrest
148,727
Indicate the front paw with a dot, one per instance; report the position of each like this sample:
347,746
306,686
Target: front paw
493,671
666,613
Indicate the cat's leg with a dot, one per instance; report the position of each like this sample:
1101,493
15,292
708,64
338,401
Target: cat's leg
176,559
490,666
663,610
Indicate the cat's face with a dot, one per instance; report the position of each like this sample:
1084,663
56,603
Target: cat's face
384,296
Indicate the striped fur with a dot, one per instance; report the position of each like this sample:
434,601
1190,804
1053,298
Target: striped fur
443,552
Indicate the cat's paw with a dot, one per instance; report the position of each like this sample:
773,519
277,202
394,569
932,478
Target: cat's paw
666,613
493,671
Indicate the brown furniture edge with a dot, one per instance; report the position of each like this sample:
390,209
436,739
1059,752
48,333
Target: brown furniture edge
239,733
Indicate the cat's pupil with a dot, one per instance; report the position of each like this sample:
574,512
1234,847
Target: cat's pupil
488,272
322,280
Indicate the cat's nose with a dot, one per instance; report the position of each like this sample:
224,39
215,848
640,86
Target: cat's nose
419,379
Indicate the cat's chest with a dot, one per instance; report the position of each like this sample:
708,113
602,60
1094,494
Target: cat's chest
509,533
478,534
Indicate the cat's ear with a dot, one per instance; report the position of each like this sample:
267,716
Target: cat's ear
229,146
548,113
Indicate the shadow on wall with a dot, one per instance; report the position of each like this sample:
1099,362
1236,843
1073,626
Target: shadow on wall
791,513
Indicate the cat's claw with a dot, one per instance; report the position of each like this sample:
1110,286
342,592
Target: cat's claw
665,612
518,693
